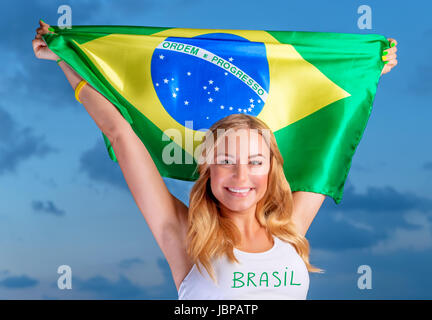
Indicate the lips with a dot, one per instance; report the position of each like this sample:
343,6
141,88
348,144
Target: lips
239,192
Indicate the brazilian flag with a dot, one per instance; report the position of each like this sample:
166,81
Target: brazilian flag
314,90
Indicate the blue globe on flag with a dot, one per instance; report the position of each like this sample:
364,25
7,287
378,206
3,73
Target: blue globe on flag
219,81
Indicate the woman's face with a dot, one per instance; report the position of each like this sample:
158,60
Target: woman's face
239,174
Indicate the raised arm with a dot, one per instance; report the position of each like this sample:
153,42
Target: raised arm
165,215
306,206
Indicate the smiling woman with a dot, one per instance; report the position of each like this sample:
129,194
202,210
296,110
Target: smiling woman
240,218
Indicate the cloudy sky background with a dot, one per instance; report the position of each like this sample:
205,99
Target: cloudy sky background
64,202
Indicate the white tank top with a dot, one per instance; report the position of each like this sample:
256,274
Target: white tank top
279,273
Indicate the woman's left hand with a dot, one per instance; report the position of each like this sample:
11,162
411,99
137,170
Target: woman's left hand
389,56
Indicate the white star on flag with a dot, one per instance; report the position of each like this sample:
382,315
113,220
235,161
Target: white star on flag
205,87
231,59
216,89
166,80
186,102
251,100
211,81
177,89
161,56
188,73
210,99
174,95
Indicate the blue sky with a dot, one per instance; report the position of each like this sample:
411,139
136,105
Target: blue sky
63,201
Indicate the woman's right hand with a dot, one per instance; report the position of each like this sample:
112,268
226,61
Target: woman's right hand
40,48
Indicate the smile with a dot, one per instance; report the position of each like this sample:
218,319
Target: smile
237,192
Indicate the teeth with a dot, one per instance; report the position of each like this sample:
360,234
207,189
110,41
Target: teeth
239,190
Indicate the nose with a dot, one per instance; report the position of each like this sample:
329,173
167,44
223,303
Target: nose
241,172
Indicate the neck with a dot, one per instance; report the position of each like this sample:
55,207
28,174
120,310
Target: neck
245,221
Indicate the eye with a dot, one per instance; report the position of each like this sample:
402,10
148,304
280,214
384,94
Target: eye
224,161
256,162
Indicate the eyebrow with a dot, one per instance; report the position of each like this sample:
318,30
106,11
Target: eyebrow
228,155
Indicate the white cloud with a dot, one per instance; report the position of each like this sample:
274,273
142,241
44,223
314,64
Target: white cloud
418,239
342,216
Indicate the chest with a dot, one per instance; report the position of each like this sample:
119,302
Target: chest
280,275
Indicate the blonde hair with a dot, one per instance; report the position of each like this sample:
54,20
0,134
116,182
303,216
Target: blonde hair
211,235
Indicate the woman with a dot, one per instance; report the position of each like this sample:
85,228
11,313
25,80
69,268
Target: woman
243,236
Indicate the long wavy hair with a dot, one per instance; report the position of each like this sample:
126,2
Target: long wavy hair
211,235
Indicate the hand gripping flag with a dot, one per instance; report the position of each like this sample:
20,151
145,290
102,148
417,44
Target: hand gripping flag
314,90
